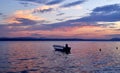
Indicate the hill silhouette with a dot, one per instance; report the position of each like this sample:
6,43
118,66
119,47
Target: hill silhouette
54,39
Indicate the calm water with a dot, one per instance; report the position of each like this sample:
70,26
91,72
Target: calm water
40,57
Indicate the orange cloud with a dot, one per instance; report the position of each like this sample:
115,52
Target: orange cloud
26,14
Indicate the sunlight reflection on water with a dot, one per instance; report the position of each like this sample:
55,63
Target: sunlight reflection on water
40,57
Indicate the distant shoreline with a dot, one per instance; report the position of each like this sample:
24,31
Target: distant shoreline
55,39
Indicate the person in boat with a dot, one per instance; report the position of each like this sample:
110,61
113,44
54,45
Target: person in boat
67,49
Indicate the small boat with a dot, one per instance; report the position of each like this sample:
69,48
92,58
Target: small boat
64,49
58,47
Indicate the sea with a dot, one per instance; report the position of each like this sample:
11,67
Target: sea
40,57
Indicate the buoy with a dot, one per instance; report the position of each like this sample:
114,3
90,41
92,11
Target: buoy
100,49
116,47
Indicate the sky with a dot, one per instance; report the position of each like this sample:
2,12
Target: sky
86,19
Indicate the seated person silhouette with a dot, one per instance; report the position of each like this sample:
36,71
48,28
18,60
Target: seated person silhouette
67,49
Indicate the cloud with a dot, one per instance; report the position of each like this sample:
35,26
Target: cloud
25,4
60,19
43,10
8,29
107,24
37,35
113,35
60,25
46,2
1,13
60,14
108,13
107,8
35,1
73,3
80,31
59,30
54,2
24,22
22,14
27,22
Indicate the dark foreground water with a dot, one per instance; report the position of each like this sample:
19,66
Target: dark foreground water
40,57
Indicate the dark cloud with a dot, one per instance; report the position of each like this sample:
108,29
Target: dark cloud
25,4
1,13
54,2
15,27
28,22
60,19
35,1
109,13
47,2
24,22
43,11
108,8
37,35
60,14
73,3
65,24
69,23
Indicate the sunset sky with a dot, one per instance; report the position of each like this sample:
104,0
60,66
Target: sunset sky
99,19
